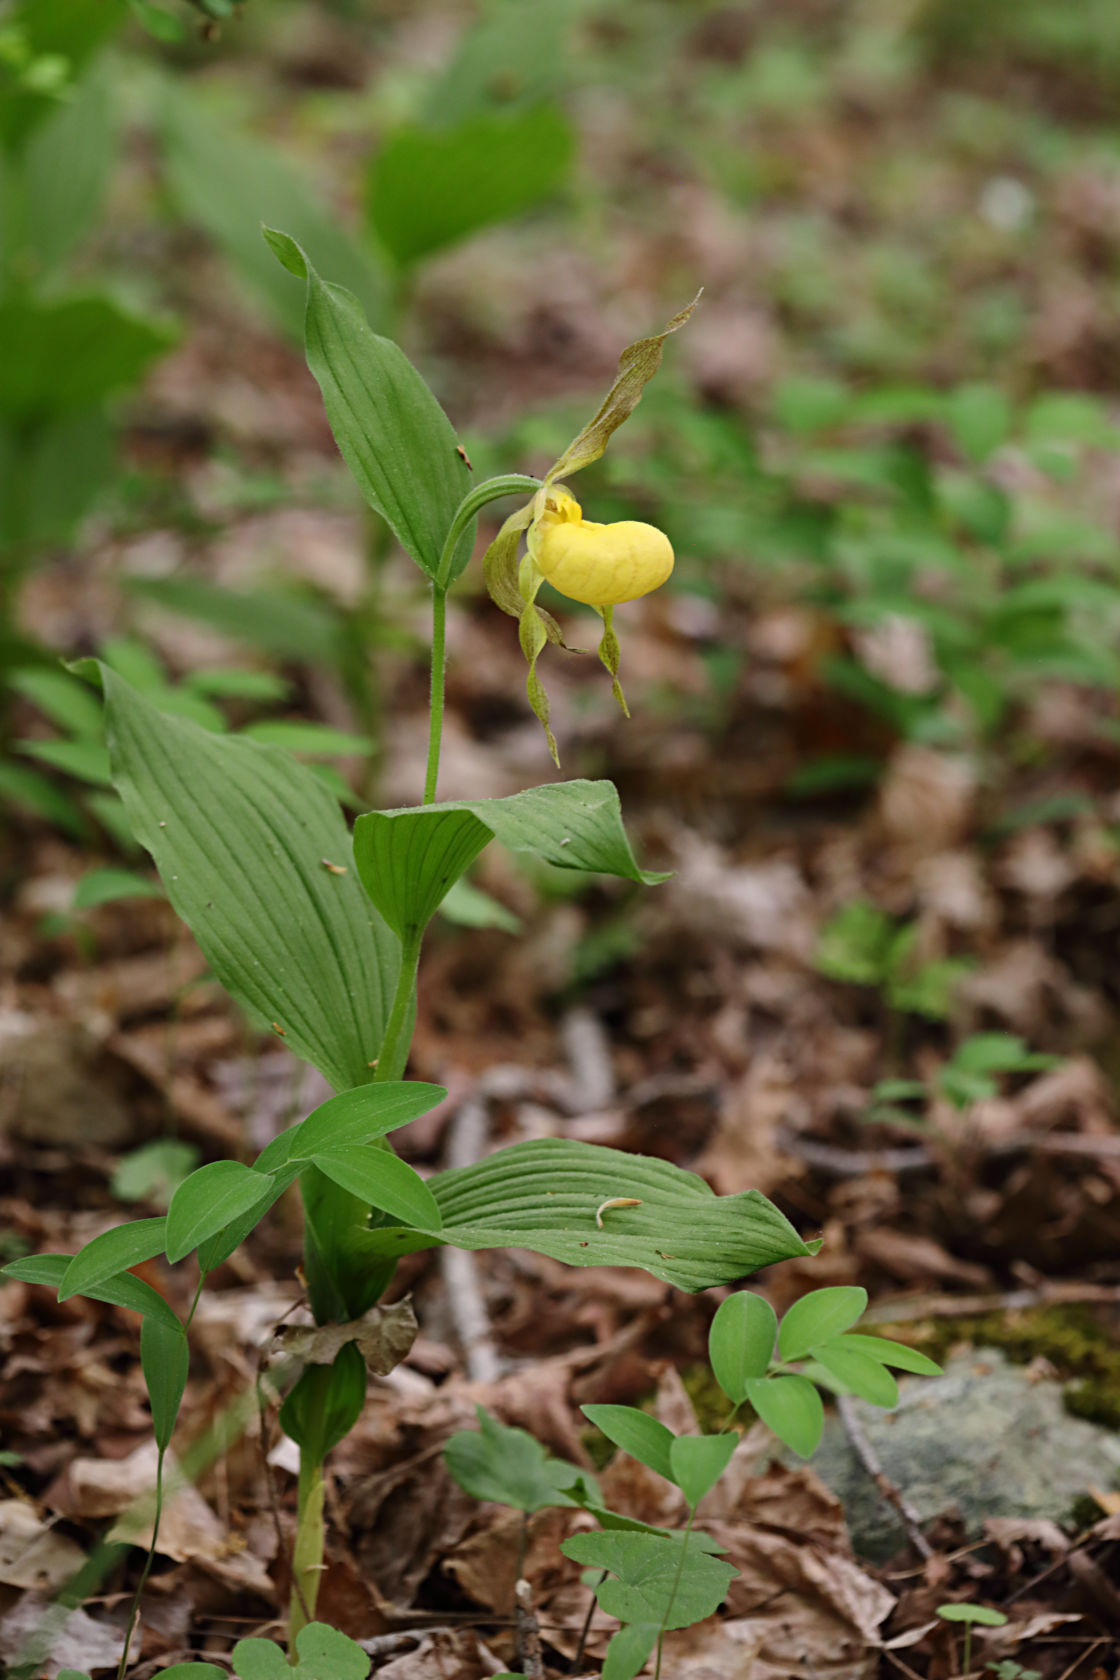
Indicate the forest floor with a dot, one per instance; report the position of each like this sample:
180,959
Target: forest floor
702,1021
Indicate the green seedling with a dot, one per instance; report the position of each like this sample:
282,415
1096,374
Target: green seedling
971,1615
651,1579
972,1074
865,947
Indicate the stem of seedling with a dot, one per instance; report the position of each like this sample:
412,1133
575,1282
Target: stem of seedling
134,1608
585,1630
673,1594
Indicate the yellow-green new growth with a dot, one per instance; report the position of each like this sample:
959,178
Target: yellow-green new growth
600,565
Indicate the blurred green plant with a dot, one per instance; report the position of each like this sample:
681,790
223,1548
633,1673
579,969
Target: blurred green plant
863,946
977,1070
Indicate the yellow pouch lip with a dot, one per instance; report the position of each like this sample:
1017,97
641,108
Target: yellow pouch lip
600,565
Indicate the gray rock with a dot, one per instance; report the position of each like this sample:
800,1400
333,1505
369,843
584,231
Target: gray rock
987,1439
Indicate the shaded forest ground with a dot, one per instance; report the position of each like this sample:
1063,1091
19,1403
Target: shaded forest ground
875,861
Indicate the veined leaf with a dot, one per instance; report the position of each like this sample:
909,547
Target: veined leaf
208,1200
164,1360
741,1342
66,167
549,1195
390,430
408,859
382,1179
239,833
858,1372
123,1291
792,1408
218,1247
629,1650
508,1465
698,1462
359,1116
60,356
112,1252
654,1583
819,1316
642,1436
895,1354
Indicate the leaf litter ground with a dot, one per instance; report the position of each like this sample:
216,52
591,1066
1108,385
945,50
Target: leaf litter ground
691,1023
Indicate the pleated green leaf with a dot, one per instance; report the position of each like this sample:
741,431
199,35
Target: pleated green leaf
554,1196
409,859
241,835
389,428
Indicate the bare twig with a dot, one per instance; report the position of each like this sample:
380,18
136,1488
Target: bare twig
589,1057
465,1146
1077,1661
528,1632
868,1457
384,1644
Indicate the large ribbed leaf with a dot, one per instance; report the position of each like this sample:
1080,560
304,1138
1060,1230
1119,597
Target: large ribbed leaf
242,836
409,859
390,430
559,1197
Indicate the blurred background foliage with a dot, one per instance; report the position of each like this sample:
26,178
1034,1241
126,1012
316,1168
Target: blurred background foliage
894,409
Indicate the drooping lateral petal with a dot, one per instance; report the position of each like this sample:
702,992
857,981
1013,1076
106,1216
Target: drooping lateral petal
499,565
610,653
534,637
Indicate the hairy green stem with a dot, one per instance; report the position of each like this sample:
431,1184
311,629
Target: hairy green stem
307,1557
509,484
307,1554
394,1047
439,666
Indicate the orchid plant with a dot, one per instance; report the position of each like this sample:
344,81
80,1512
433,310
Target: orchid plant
317,933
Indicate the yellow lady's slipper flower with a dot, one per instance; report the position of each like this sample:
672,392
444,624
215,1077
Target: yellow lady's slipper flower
600,565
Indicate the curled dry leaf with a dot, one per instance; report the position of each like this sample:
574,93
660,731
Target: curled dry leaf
384,1336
